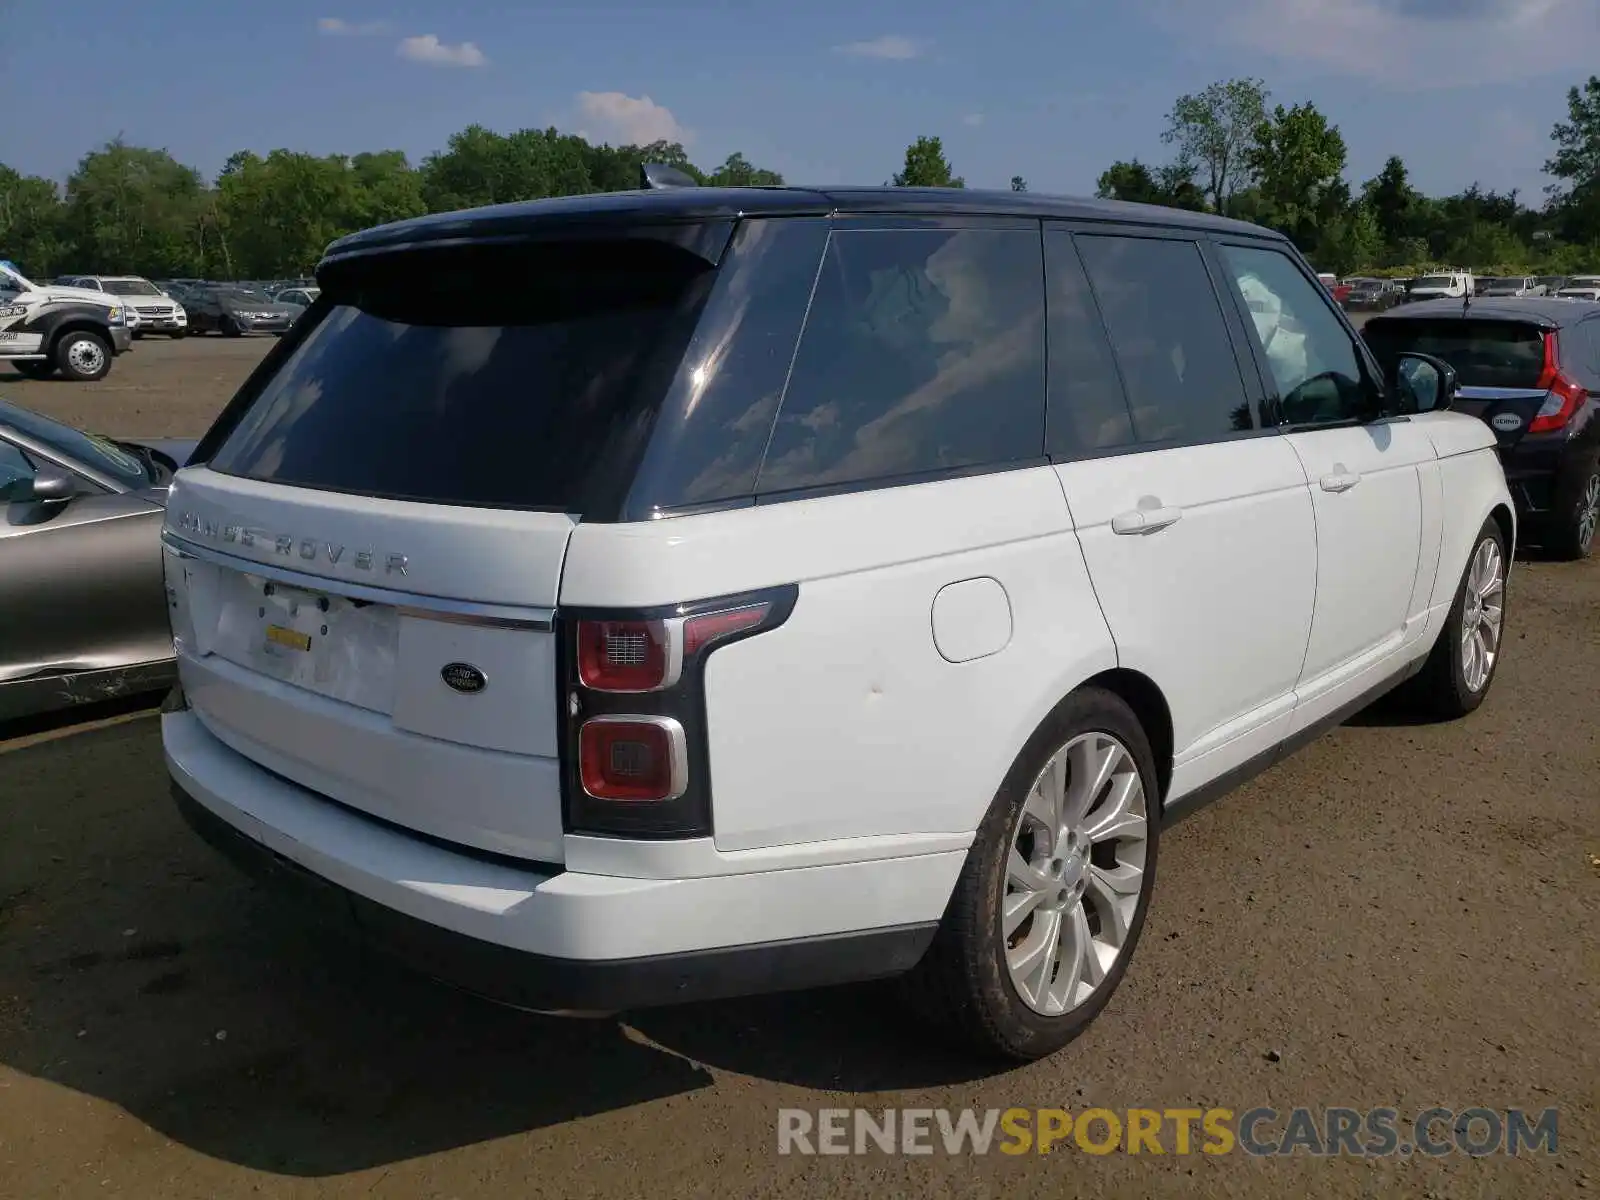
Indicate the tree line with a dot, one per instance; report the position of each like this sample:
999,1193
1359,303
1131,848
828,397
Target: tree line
137,209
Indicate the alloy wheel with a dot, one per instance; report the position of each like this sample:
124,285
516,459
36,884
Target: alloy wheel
1482,612
1075,873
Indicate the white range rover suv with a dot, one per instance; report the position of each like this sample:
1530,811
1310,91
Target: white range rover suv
783,587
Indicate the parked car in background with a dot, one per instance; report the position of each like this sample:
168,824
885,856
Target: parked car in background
49,328
1521,285
300,297
1448,285
1581,287
234,310
702,615
80,564
1551,283
1372,295
154,310
1530,368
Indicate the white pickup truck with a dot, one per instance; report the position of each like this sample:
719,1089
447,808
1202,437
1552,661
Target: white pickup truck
45,329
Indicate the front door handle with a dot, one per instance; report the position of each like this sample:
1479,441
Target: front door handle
1339,481
1145,520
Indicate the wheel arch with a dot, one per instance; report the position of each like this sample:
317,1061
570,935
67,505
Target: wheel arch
1506,519
1149,703
80,325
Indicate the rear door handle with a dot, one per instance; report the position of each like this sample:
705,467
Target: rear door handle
1339,481
1145,520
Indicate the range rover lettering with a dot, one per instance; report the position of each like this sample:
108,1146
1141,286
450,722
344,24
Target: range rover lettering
804,585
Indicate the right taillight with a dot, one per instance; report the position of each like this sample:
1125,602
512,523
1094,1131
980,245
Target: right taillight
1565,392
635,758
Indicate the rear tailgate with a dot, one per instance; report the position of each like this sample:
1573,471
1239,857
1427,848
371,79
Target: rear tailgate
365,560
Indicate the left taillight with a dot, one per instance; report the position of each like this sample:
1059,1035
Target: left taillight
1565,392
636,759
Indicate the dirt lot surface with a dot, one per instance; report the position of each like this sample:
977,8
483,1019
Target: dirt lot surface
1401,915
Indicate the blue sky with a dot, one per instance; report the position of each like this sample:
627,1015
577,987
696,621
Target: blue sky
825,91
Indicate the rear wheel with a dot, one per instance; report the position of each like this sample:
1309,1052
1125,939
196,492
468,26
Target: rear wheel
1576,518
1457,675
1053,895
83,356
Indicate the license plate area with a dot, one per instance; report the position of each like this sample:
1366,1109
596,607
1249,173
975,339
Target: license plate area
329,644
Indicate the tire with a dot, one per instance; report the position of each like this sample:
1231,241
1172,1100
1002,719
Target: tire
1444,689
229,329
964,984
83,356
1574,523
30,369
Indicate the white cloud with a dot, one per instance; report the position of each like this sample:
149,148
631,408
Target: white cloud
972,120
1406,44
631,120
429,49
339,27
891,46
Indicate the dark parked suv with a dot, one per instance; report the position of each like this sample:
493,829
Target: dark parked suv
1530,367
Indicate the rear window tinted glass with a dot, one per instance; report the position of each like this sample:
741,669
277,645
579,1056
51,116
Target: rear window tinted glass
1087,410
1501,354
1169,336
429,379
923,351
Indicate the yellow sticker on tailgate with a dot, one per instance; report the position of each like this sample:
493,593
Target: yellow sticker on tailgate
292,638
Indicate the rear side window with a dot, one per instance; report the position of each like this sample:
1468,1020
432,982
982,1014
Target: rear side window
429,379
718,415
1087,411
923,351
1485,353
1169,336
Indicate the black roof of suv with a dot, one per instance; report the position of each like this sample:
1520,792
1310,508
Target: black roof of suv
692,204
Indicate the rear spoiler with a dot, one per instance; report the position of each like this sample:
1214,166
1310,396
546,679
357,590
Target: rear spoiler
656,176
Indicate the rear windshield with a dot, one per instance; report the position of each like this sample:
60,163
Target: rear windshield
1500,354
1435,281
485,376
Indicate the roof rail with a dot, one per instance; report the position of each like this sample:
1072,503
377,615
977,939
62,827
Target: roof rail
655,176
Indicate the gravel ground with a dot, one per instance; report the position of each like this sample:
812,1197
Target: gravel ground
1402,915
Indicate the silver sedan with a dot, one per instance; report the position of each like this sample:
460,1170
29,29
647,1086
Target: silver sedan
81,590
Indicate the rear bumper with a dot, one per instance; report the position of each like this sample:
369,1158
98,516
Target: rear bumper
545,938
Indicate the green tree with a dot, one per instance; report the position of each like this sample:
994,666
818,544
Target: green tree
1018,184
1392,198
1576,164
736,171
129,208
1215,130
1297,159
926,166
1351,241
1130,180
30,222
1172,185
279,213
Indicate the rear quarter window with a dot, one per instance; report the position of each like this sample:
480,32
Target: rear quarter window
923,351
1484,353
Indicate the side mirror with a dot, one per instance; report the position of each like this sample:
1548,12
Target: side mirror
53,487
1423,383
